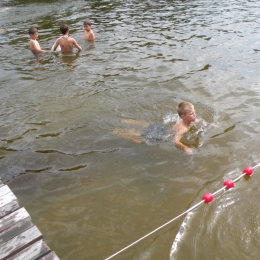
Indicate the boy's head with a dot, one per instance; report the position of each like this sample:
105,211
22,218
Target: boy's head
32,31
186,109
64,28
87,25
87,22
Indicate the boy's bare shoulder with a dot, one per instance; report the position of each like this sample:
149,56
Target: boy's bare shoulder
180,129
59,39
34,45
89,36
70,39
32,42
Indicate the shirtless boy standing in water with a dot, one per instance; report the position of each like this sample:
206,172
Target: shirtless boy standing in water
34,44
66,43
88,33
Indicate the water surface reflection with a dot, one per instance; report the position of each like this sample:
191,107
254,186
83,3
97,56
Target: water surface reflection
91,192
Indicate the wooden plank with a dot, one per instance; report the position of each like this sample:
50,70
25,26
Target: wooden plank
20,242
8,204
19,238
15,230
32,252
50,256
4,190
7,198
13,218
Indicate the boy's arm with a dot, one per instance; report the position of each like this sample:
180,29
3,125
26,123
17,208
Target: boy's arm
76,45
177,141
35,48
56,45
91,37
199,120
213,124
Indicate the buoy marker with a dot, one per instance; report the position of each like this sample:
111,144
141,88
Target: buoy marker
229,184
248,170
208,197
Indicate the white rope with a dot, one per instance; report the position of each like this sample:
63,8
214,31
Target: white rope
190,209
187,211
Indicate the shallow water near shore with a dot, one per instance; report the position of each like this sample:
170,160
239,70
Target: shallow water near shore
91,192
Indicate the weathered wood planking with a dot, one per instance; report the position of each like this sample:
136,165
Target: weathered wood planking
8,203
38,250
20,242
15,217
4,190
14,223
19,238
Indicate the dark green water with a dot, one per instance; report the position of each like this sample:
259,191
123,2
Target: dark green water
91,192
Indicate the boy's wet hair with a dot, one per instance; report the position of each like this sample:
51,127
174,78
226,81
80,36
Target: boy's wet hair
87,22
32,30
183,107
64,28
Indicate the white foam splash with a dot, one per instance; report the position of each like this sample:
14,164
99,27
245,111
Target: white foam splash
180,235
5,9
171,118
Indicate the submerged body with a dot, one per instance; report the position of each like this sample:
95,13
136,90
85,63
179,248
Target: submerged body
152,132
187,114
65,42
34,44
88,33
187,124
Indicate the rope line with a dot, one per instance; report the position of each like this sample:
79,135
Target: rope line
247,171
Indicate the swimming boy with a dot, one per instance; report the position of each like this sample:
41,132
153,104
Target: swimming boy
66,43
188,116
88,33
187,113
34,44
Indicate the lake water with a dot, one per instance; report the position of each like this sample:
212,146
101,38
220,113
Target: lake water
92,192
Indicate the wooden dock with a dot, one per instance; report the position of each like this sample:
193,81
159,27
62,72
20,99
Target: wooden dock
19,238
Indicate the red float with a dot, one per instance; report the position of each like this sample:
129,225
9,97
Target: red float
208,197
229,184
248,170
